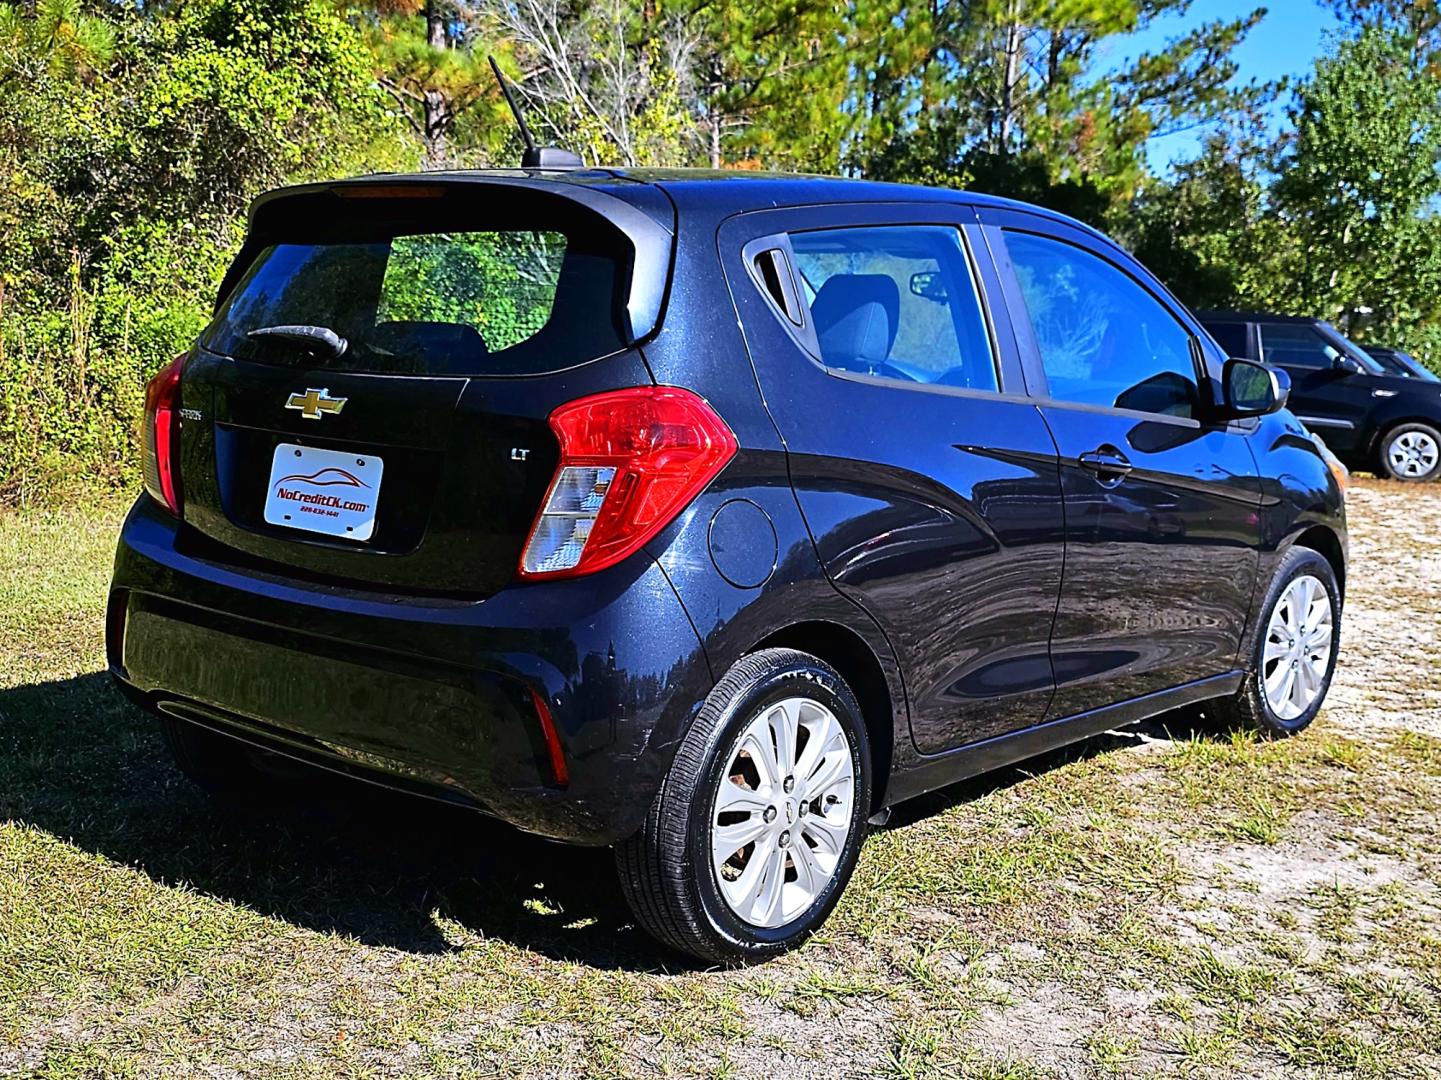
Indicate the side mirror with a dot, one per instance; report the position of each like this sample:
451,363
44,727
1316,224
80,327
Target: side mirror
1343,364
930,285
1254,389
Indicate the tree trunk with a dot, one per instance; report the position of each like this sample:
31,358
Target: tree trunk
435,32
1008,88
436,118
437,124
715,140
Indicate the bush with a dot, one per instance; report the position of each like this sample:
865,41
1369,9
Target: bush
119,210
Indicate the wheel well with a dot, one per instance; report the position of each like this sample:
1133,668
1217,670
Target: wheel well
1382,430
1324,542
848,653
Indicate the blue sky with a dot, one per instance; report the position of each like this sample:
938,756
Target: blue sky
1286,42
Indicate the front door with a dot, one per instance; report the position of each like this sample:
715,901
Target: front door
927,478
1331,401
1161,502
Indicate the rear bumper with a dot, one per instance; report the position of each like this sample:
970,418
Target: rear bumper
426,694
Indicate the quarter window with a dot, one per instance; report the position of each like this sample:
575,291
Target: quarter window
1103,339
897,302
1231,337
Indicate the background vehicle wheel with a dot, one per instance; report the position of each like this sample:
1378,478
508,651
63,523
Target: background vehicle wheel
1411,452
757,827
1295,651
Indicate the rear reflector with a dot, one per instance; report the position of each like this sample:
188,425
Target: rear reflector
559,772
160,436
630,461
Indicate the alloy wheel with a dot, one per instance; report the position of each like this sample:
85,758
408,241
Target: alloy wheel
1413,454
782,811
1297,653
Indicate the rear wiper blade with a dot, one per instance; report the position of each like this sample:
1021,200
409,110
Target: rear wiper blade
320,340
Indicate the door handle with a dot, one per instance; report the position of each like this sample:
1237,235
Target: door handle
1108,463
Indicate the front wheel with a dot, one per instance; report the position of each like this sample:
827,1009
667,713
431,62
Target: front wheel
1411,452
759,822
1295,652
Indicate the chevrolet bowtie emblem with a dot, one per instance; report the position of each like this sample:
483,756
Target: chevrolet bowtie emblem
314,403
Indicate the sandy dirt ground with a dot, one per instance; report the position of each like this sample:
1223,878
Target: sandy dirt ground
1170,900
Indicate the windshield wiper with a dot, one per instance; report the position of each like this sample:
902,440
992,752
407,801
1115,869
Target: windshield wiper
320,340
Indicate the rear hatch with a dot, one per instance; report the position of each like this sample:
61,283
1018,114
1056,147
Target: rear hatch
369,404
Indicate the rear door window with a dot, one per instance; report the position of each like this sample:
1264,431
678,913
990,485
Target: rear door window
477,301
896,301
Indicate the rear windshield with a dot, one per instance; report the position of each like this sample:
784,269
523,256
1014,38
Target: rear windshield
477,300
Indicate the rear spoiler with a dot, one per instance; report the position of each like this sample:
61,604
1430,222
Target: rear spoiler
651,243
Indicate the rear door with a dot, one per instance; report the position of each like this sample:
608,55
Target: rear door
401,440
926,477
1161,503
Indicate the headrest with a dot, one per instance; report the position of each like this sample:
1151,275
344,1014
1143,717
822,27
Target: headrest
435,346
856,317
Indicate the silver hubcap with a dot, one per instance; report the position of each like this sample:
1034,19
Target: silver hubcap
1298,648
1412,453
782,812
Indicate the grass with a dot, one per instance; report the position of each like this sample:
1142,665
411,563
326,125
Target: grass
1167,902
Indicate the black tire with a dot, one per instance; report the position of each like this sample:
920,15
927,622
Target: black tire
230,771
666,871
1384,466
1250,707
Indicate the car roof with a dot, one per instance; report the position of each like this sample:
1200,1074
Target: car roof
726,191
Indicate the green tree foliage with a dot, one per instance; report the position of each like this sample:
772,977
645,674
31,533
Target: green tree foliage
605,77
1010,96
430,59
501,283
1209,230
129,149
1359,189
767,83
132,138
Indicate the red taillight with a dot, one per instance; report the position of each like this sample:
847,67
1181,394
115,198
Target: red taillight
630,461
161,436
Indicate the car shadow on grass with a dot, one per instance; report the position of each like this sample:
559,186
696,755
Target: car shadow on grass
81,763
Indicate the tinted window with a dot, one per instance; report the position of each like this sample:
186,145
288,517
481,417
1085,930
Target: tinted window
475,302
1104,340
1389,362
898,302
1295,345
1231,336
1404,364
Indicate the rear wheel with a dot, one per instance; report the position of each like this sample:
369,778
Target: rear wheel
1411,452
1295,652
758,825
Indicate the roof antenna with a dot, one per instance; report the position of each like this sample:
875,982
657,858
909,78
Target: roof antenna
534,157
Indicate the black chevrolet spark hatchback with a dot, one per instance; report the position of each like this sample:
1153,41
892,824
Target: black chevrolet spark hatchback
706,516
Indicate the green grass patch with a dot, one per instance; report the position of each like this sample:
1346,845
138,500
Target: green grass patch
1198,904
